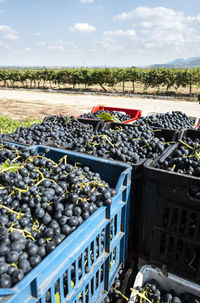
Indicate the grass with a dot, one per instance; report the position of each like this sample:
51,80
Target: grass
8,125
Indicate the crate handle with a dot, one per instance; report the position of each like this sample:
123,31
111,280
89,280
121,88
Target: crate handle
6,292
124,177
189,194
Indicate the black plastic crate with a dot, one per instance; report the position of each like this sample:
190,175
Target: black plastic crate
137,183
96,124
168,208
181,256
191,133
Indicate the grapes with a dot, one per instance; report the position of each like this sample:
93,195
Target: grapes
157,294
54,130
5,281
131,144
175,120
120,115
38,213
184,160
113,294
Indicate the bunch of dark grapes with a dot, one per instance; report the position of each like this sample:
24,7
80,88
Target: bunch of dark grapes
185,159
54,130
154,293
114,293
121,116
41,203
175,120
130,144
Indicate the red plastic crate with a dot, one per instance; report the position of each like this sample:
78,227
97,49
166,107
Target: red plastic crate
198,125
134,113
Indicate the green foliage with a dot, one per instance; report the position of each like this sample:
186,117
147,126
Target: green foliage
8,125
108,117
156,77
11,167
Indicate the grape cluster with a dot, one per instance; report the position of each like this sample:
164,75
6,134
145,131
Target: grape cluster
153,292
114,294
121,116
54,130
185,159
130,144
41,203
175,120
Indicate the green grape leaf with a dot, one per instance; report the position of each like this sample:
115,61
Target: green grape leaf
107,117
6,166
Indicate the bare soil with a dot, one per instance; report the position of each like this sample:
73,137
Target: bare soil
22,110
23,104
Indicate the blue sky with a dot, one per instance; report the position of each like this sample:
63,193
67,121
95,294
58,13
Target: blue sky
98,32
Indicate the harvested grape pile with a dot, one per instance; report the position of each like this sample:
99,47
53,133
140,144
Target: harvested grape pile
53,130
41,203
185,159
129,144
175,120
113,293
100,114
154,293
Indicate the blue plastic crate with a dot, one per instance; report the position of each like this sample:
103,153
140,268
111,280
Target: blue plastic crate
52,280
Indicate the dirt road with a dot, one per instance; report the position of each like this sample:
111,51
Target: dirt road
21,104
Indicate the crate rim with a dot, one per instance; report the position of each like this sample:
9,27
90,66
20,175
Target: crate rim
111,108
156,270
148,164
127,167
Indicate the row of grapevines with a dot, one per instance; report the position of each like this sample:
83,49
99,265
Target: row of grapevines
155,78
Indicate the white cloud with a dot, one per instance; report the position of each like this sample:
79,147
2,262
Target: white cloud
82,27
5,28
27,49
3,45
144,12
106,44
56,47
121,33
163,29
12,36
37,34
62,46
60,42
160,17
86,1
8,32
68,45
42,43
149,45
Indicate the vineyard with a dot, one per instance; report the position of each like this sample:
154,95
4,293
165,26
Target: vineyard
122,80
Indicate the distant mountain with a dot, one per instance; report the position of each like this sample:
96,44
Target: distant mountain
179,63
